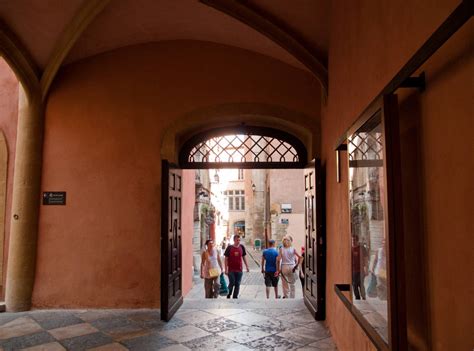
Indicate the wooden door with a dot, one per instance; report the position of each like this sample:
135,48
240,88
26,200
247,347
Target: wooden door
171,270
315,241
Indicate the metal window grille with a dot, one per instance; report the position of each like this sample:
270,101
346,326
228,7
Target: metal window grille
243,149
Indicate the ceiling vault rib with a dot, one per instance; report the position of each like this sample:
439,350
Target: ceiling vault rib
85,15
19,59
272,31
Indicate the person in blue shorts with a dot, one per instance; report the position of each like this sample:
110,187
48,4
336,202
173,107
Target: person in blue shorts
270,264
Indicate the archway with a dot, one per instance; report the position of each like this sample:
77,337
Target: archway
242,147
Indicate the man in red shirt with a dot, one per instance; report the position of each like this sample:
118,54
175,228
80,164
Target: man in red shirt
360,261
234,255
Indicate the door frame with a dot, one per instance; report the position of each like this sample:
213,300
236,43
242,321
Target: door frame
319,312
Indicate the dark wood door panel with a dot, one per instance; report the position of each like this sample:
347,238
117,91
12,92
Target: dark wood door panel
315,241
171,270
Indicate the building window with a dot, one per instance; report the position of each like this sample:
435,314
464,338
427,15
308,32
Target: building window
240,175
286,208
235,199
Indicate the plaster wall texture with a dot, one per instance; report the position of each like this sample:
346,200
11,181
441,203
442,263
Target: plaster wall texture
9,86
287,187
187,228
370,42
105,119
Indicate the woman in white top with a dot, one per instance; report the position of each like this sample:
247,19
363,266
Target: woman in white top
211,268
290,260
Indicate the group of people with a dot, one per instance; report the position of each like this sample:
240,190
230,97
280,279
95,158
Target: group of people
282,262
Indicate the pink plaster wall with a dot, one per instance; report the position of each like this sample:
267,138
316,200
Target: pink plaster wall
105,118
370,42
8,123
187,228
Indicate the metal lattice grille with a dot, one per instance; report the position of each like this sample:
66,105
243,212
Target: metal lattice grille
365,146
243,149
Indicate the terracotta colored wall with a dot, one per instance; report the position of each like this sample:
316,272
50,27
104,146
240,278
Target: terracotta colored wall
187,228
370,41
105,119
8,122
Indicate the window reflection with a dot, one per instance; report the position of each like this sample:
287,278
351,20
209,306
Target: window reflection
366,196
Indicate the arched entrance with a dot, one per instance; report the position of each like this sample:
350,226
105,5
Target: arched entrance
242,147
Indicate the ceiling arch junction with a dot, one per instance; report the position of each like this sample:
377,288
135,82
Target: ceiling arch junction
38,38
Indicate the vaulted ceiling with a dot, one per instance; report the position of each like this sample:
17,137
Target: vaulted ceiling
294,32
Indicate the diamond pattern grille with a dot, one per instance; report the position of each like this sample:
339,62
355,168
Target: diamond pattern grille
242,148
365,146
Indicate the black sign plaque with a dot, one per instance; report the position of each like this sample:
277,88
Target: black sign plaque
54,198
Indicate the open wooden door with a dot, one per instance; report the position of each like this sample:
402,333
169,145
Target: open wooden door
315,242
171,272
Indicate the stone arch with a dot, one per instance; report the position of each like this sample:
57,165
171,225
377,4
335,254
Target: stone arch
298,124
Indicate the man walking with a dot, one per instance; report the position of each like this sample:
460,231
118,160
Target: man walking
234,255
270,262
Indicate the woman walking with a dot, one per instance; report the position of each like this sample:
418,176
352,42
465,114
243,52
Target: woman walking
290,260
211,268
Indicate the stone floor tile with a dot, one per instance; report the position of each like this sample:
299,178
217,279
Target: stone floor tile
213,342
144,315
172,324
324,344
86,342
274,326
106,324
302,318
7,317
155,324
110,347
308,332
248,318
218,325
272,342
196,317
127,332
25,341
55,319
177,347
184,334
224,312
52,346
244,334
72,331
303,337
273,312
18,327
149,342
182,311
92,315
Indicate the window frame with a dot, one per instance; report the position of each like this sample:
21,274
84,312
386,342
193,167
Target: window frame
387,106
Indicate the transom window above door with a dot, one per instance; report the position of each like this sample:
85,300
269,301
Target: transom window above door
250,147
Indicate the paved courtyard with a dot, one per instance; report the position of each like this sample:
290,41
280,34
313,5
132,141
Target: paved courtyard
250,323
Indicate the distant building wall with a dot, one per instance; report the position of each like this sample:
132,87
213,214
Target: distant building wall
287,187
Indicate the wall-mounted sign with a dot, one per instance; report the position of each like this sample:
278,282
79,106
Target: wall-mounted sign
286,208
54,198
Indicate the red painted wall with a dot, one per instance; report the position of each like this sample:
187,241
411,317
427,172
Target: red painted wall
8,123
370,42
105,118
